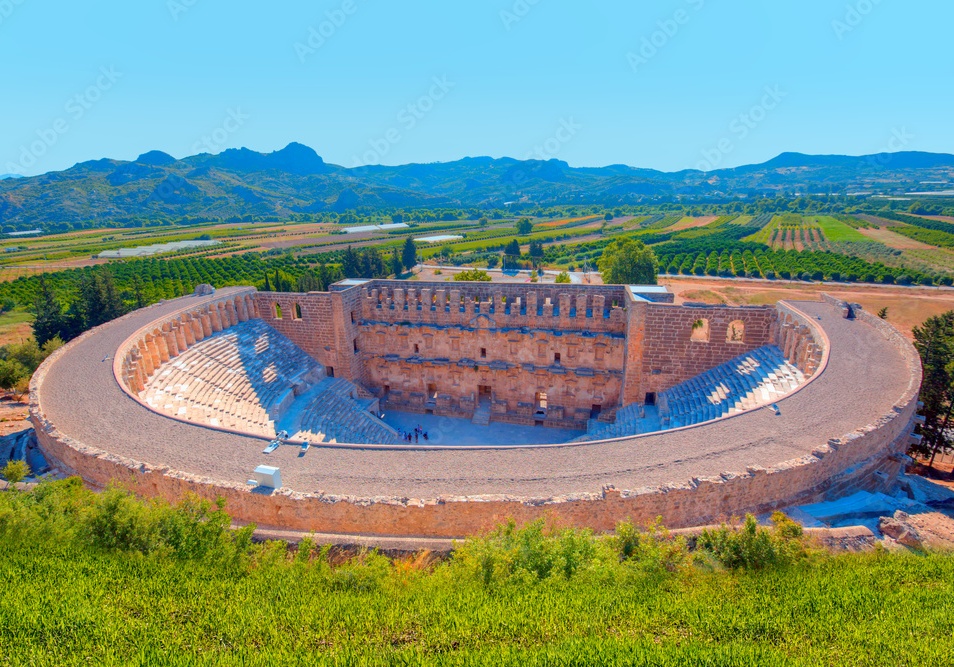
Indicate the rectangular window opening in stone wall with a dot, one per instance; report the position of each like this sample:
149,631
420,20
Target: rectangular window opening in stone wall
355,343
278,311
297,311
736,332
483,353
700,331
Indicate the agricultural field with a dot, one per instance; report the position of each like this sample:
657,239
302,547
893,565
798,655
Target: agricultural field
884,249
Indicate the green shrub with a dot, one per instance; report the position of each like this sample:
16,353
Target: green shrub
15,471
753,547
532,552
651,549
473,275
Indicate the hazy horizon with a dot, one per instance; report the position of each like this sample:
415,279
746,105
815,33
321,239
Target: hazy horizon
681,84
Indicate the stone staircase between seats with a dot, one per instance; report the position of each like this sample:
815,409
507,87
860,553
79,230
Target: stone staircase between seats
629,421
482,415
754,379
242,378
335,413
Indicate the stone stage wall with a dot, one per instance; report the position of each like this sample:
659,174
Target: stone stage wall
580,351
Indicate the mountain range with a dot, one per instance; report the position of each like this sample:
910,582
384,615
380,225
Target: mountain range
296,180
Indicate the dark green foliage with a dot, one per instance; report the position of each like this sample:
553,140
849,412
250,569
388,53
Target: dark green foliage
396,263
934,341
752,547
513,248
924,223
785,264
524,226
628,262
18,362
49,319
409,254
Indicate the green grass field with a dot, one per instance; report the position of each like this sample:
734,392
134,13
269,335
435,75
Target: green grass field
838,232
106,580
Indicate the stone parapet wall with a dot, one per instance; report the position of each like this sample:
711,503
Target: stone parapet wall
699,501
147,349
801,340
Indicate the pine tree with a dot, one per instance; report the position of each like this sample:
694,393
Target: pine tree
409,254
351,264
48,320
396,264
934,341
267,287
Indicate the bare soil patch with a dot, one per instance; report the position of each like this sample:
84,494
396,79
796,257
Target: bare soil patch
907,307
692,223
14,416
893,240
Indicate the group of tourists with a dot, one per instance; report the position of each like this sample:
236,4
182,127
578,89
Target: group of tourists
415,435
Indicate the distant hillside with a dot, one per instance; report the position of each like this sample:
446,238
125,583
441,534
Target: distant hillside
295,180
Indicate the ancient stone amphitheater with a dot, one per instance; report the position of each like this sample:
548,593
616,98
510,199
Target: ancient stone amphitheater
690,412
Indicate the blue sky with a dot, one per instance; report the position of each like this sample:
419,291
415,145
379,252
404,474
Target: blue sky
667,84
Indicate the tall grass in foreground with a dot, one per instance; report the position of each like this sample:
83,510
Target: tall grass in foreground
109,580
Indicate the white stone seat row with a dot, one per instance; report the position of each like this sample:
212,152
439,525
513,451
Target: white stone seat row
238,378
756,378
759,377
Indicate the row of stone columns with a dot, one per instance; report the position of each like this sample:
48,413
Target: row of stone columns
455,300
171,338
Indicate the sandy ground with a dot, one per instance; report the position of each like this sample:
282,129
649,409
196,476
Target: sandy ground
907,306
13,416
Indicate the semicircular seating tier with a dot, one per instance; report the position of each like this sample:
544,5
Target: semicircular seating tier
253,379
755,379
